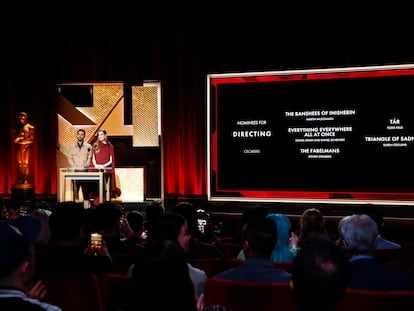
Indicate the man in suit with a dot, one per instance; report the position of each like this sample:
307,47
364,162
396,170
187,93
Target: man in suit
378,216
259,237
358,234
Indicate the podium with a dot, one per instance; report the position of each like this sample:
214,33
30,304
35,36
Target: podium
68,177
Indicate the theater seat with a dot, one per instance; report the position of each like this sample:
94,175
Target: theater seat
365,300
122,262
232,249
248,296
115,289
395,258
234,262
211,266
74,292
287,266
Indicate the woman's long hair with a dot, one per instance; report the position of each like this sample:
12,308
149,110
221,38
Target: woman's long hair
161,280
97,144
311,223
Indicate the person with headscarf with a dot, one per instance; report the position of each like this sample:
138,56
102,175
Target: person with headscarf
282,252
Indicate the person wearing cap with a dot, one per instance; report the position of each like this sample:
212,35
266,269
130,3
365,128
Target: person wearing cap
17,264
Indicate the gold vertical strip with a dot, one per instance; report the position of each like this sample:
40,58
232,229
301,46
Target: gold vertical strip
145,116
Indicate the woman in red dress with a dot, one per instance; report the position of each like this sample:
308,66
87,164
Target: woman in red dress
103,157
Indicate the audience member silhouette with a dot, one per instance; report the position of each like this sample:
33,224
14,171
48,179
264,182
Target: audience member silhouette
248,214
173,227
17,264
161,280
358,234
116,233
282,252
153,212
42,241
11,209
259,237
69,249
377,215
136,222
311,224
189,211
198,247
320,275
210,232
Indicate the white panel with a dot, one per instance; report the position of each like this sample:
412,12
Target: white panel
131,182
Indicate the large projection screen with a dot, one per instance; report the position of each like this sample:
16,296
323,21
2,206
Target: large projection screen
341,135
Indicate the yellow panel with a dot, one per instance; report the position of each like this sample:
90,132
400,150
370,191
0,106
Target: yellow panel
107,99
145,116
108,113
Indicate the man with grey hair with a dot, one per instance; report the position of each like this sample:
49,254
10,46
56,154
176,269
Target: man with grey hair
358,234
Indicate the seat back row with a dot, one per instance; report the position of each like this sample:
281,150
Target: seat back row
86,292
